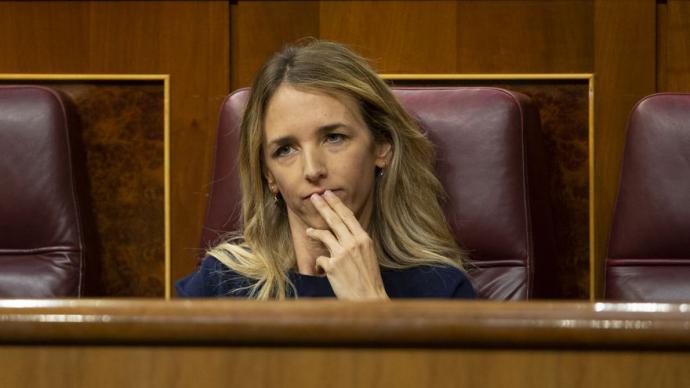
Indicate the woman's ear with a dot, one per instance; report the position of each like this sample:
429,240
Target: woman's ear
383,154
271,181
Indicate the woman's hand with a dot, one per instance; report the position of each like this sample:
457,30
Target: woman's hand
352,269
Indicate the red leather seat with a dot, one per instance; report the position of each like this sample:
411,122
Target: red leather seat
649,248
42,248
488,145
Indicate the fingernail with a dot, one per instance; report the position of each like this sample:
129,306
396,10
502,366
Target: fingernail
309,230
329,193
315,197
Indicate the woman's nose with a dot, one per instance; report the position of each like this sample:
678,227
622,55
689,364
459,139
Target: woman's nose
314,166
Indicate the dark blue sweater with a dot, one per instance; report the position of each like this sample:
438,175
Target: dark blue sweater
213,279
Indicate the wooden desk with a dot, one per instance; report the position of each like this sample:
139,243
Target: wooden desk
226,343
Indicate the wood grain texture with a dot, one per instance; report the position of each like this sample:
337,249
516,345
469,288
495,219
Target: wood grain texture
524,37
625,57
169,367
564,113
329,322
676,61
188,40
317,343
122,130
396,36
661,44
260,28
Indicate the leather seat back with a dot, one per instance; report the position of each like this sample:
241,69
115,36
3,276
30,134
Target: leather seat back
488,143
42,248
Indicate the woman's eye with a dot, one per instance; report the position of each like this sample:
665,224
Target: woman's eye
334,138
283,151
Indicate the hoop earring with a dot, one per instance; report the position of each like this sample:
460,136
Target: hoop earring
276,198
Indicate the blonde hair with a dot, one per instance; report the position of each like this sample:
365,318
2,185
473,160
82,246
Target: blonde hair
407,226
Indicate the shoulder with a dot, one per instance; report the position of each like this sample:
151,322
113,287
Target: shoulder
428,282
212,279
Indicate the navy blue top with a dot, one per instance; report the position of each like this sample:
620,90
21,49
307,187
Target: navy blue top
214,279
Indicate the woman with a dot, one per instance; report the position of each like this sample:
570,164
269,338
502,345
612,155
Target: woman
339,197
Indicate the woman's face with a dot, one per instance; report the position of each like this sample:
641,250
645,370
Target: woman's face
315,142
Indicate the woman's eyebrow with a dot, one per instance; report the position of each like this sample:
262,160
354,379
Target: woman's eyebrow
322,130
331,127
282,140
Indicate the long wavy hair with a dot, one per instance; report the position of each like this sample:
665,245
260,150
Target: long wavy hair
407,226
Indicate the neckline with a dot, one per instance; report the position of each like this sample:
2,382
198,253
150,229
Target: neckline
304,276
296,275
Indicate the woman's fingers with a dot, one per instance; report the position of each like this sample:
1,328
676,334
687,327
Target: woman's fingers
347,216
323,263
352,269
334,221
326,238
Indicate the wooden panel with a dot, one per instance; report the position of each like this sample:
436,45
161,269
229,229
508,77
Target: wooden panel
397,36
188,40
328,343
624,42
169,367
123,134
564,111
260,28
524,37
661,44
330,322
44,37
676,62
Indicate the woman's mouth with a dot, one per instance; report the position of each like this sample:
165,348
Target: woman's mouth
321,192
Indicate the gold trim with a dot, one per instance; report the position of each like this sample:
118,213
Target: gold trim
541,76
511,76
166,156
85,77
166,137
592,193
